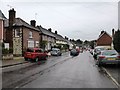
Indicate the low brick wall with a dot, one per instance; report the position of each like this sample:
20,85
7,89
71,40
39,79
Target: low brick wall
7,57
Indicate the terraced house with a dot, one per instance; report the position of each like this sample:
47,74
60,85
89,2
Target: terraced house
2,32
20,34
60,41
47,38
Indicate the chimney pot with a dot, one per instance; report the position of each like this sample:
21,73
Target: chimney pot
55,32
50,29
33,23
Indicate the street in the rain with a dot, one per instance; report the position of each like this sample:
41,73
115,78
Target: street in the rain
59,72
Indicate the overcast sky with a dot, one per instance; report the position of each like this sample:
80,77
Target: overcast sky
78,19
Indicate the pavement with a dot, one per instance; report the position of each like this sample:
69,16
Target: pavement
13,61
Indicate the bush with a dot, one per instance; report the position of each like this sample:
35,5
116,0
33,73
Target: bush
5,51
11,50
116,41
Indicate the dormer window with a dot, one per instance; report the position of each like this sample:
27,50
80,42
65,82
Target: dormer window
17,32
30,35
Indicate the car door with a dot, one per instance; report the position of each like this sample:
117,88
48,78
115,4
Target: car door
41,55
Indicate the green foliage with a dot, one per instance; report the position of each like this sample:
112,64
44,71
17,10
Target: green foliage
78,41
65,47
116,41
3,45
43,44
92,44
11,50
5,51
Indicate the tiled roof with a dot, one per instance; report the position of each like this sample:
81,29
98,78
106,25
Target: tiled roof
2,15
59,37
20,22
103,34
45,31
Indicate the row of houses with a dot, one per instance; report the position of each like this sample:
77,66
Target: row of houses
20,35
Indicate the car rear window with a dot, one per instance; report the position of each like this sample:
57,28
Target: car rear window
109,53
39,50
30,50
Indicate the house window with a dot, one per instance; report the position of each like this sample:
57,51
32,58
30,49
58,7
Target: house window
30,34
17,32
31,44
37,44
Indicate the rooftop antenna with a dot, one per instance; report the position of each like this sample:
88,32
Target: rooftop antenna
35,16
10,6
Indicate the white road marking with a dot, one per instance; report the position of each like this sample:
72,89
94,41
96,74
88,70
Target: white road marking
111,77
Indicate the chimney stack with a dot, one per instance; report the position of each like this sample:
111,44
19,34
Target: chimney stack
33,23
9,32
50,29
55,32
12,15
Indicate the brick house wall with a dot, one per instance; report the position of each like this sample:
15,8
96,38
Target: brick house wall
50,41
104,40
1,30
35,37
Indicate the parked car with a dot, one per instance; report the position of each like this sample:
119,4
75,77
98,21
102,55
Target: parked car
91,51
97,51
35,54
74,52
78,50
108,57
56,52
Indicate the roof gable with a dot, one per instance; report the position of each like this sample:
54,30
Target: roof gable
104,34
2,16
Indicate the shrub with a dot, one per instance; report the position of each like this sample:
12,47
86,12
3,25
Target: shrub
116,41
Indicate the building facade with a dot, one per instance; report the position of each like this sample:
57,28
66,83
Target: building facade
104,40
2,32
47,37
21,35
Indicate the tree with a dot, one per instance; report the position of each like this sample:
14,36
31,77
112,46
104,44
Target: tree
43,44
116,41
92,44
86,42
78,41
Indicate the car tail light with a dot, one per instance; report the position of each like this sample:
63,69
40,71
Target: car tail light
118,57
101,57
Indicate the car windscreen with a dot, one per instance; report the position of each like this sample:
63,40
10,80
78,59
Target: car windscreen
109,53
30,50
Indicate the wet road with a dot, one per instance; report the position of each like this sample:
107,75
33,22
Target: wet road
76,72
16,75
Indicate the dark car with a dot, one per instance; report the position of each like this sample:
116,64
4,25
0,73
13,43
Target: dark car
35,54
108,57
74,52
56,52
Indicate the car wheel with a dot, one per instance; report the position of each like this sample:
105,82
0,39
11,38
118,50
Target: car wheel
26,59
46,57
36,59
99,64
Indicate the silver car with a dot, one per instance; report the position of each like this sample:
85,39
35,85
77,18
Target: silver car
108,57
56,52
